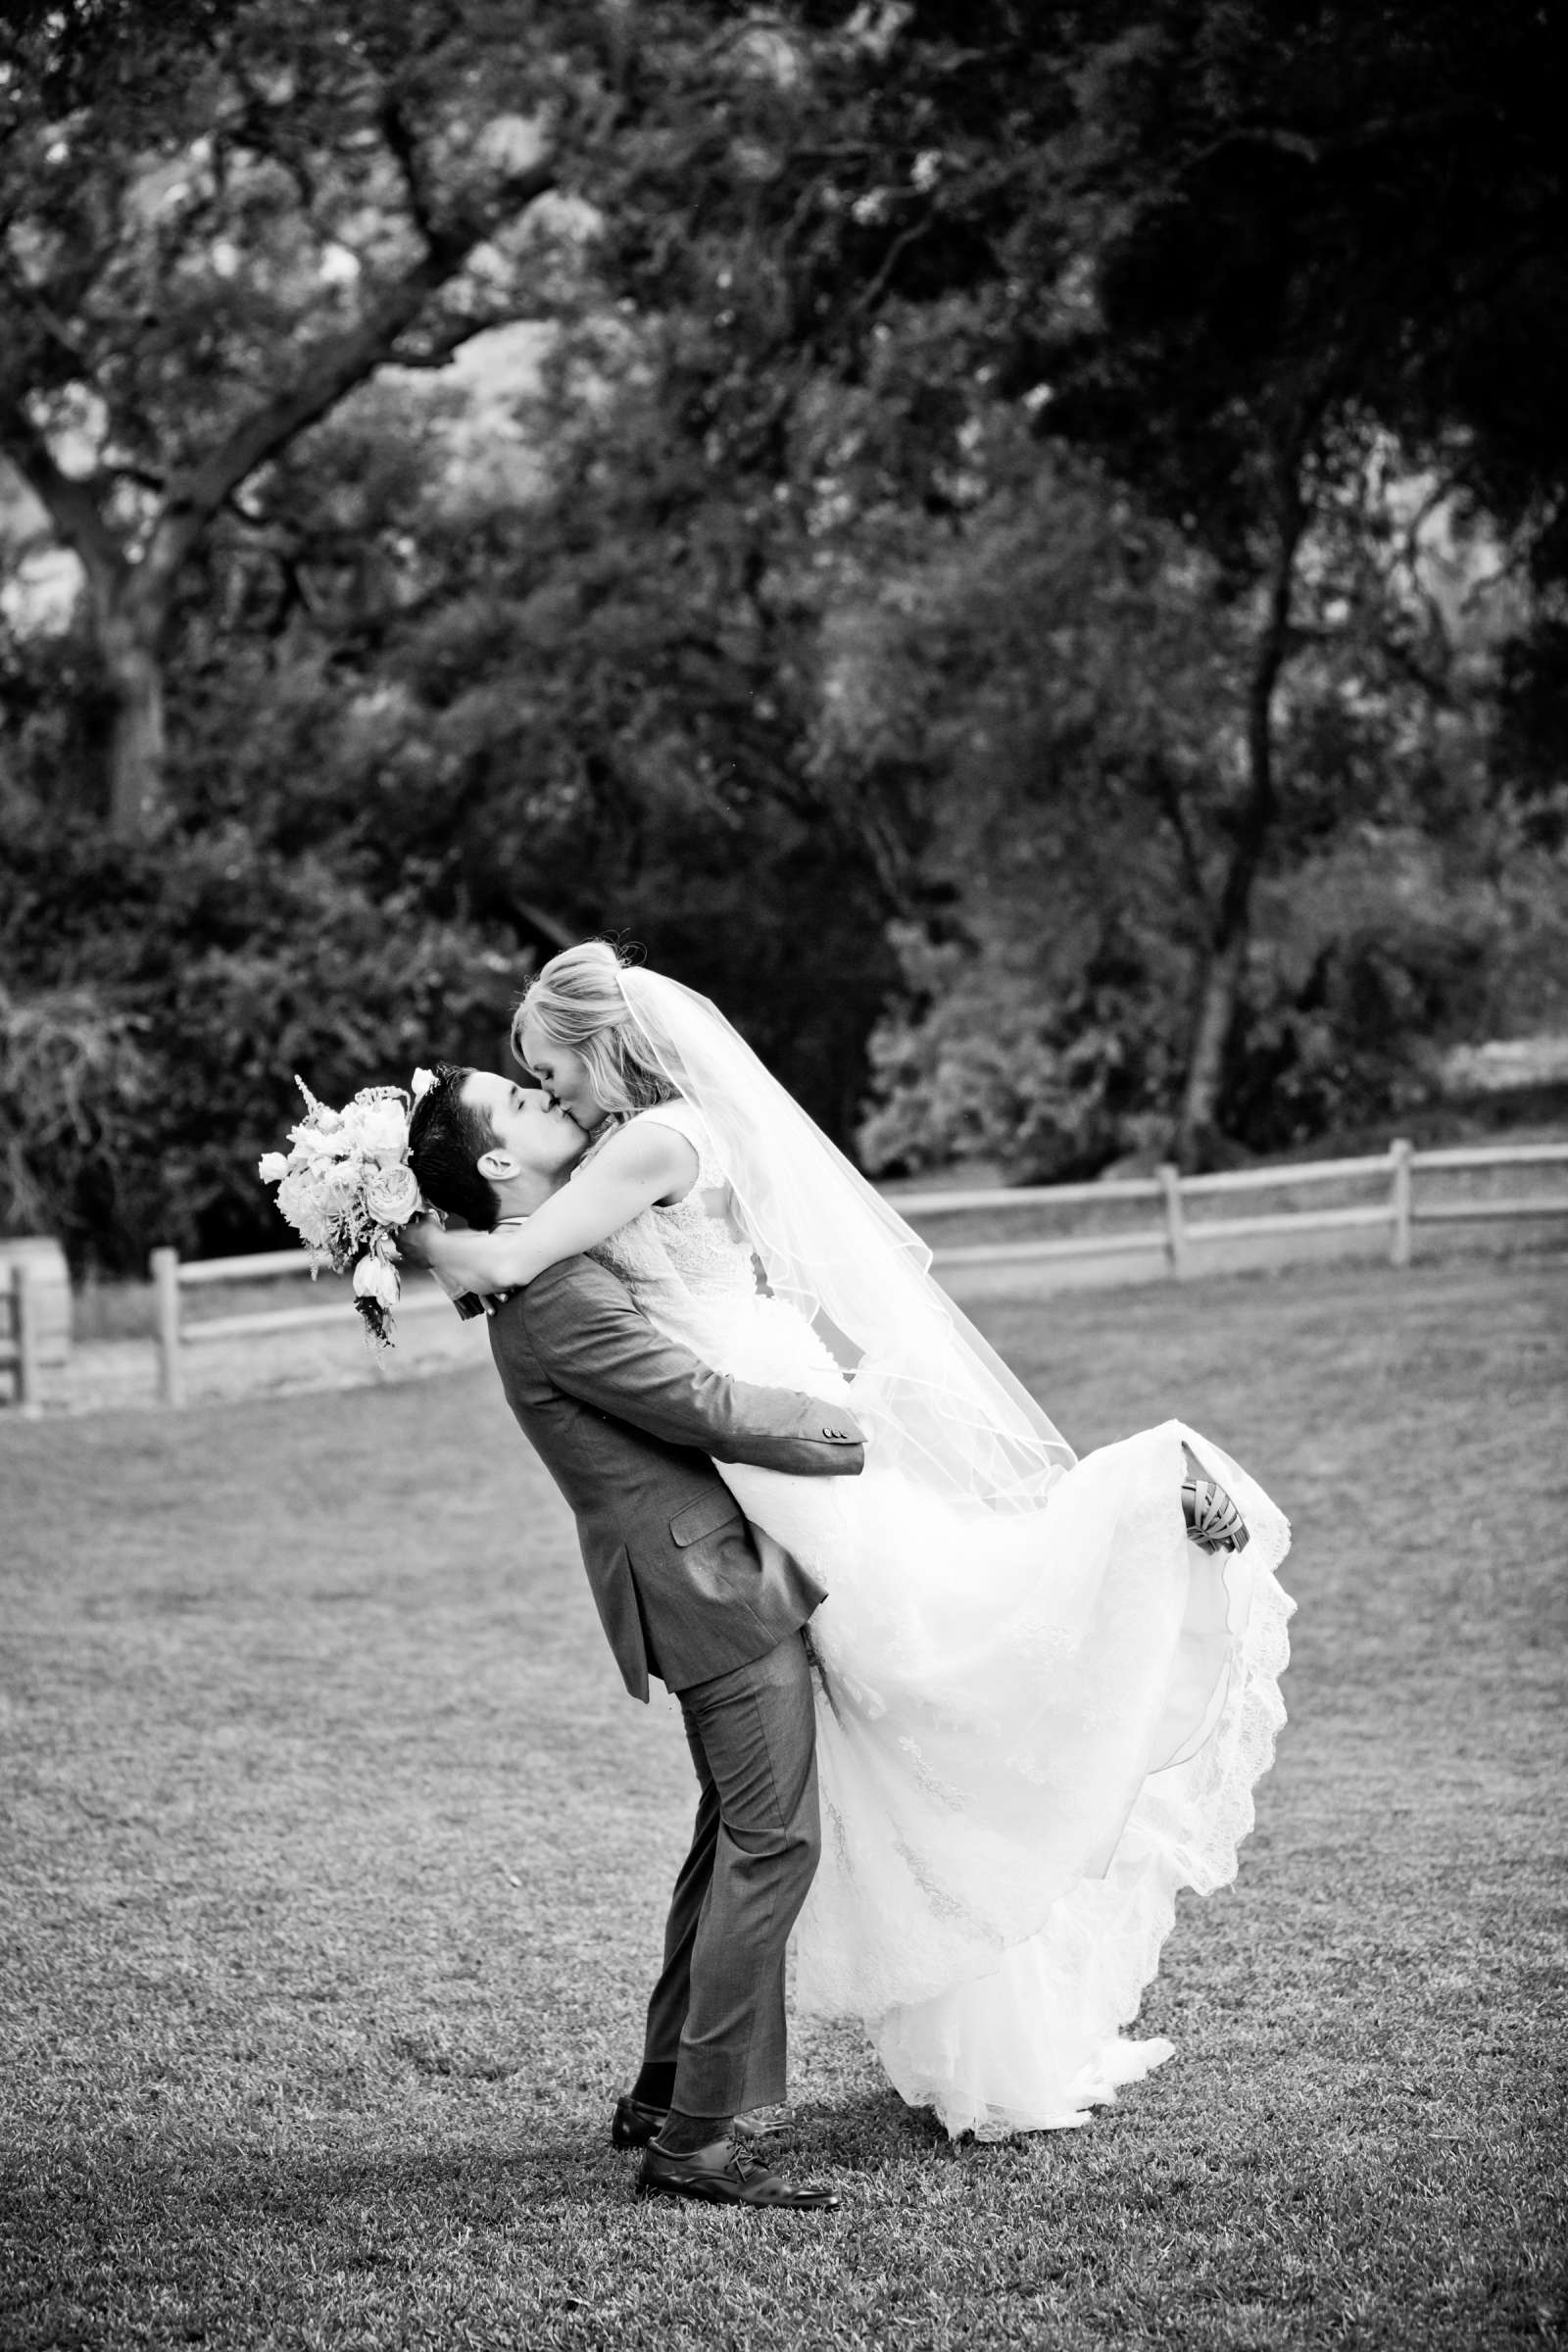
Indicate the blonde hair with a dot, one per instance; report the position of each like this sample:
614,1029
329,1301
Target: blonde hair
577,1002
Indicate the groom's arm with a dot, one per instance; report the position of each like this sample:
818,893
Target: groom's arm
598,1345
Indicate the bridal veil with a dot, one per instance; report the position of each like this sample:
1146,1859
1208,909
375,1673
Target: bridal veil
835,1249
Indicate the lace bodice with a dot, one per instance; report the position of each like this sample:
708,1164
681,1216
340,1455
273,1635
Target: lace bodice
693,1254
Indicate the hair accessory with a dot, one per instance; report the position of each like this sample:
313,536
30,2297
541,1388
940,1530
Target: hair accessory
420,1084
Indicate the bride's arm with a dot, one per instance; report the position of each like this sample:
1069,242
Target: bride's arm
644,1164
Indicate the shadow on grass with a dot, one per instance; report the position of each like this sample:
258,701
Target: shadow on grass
88,2186
201,2239
92,2184
872,2127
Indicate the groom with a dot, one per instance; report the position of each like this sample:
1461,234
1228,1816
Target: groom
628,1424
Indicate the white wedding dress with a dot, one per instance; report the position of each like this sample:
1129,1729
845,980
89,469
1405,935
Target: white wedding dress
1037,1718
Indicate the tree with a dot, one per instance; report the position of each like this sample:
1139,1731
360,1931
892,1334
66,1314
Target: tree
1077,675
216,222
1338,235
1312,224
607,711
887,347
1224,247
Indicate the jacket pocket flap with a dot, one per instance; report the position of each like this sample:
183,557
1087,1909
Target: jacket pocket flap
704,1517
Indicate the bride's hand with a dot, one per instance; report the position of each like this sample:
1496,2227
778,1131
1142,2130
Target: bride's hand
413,1240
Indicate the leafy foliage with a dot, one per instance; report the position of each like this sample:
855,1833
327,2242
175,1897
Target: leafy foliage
1253,256
74,1084
1016,545
146,1085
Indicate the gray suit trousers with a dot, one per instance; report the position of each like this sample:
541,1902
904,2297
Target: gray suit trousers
718,2010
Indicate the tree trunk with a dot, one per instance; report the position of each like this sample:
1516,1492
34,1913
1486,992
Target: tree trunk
1198,1129
131,598
130,639
138,796
1224,962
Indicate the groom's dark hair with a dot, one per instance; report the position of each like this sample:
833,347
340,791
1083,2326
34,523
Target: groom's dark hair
447,1138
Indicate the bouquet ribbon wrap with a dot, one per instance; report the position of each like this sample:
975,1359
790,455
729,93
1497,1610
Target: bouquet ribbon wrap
468,1302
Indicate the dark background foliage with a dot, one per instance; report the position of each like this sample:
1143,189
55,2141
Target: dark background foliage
1021,549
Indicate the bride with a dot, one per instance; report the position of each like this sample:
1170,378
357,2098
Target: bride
1046,1686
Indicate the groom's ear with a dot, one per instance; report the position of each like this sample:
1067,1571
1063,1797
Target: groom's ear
495,1166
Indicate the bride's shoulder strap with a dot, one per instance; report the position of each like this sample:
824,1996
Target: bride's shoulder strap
683,1116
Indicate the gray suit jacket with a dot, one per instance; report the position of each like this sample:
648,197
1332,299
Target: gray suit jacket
625,1422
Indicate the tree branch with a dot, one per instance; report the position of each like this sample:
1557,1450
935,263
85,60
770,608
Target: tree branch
404,152
125,470
65,342
1387,131
255,127
1175,811
72,503
333,369
1411,668
891,260
538,918
449,338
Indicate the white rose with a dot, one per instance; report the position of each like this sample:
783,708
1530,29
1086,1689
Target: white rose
392,1194
303,1201
272,1166
421,1083
379,1129
313,1148
337,1185
375,1279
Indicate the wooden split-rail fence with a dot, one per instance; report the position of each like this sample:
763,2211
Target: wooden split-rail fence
18,1336
1183,1241
1180,1244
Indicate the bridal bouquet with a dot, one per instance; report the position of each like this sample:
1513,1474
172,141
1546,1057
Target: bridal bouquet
346,1187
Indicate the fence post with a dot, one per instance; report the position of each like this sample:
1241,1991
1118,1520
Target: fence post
1399,1157
1175,1223
29,1399
11,1361
165,1282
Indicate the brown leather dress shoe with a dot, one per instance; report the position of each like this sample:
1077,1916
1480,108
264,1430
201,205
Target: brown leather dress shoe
726,2173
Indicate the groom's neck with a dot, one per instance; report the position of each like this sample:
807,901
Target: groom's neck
519,1195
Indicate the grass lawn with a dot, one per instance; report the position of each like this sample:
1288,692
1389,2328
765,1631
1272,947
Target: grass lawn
335,1865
